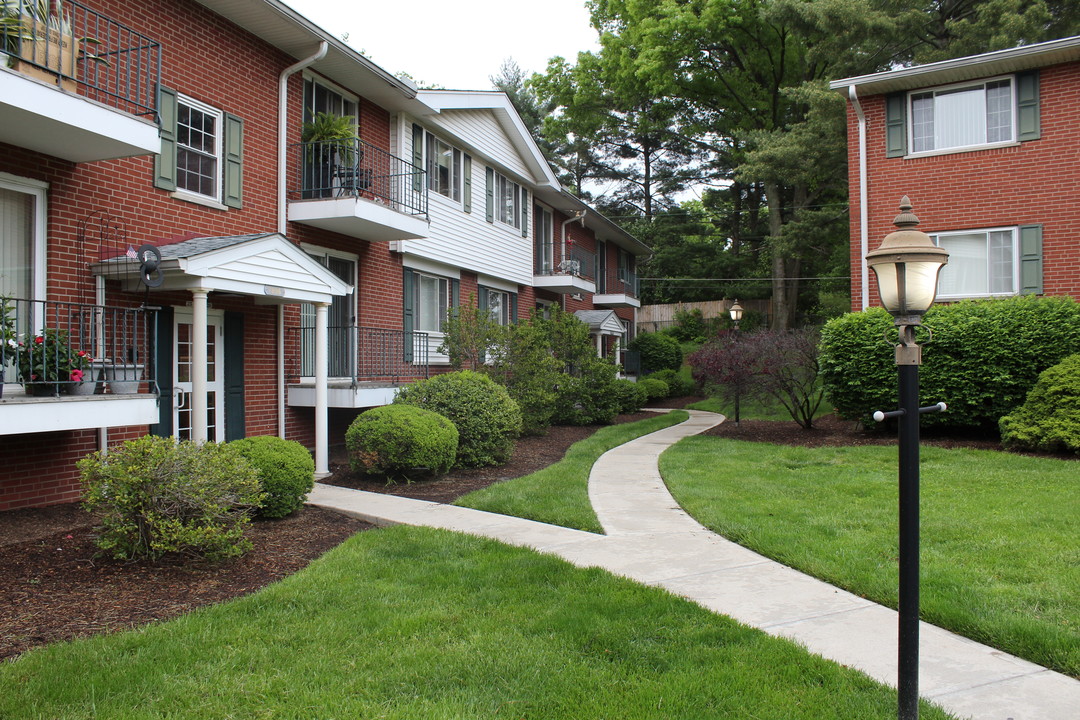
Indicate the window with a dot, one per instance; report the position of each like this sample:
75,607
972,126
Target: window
545,241
498,306
443,164
963,116
432,301
981,262
198,148
340,320
508,201
320,98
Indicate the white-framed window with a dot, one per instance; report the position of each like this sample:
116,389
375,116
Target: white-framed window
443,164
509,197
545,240
340,318
981,263
498,306
431,302
962,116
322,97
22,237
198,148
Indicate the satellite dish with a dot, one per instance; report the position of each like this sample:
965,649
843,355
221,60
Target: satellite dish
149,266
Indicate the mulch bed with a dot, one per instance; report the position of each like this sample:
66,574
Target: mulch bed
54,587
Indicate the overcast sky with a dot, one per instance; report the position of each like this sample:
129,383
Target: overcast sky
456,45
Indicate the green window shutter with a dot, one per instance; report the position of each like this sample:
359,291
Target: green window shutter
1027,106
163,370
1031,270
490,195
455,293
467,200
524,213
513,307
165,161
234,164
481,298
896,125
418,157
408,315
234,376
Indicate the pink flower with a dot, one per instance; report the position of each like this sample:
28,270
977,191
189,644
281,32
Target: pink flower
38,340
76,375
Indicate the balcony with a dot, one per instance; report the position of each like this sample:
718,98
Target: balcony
566,270
70,366
367,365
75,84
617,288
354,188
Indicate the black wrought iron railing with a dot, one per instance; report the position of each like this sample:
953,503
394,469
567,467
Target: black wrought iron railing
83,51
362,353
553,259
355,168
54,348
617,282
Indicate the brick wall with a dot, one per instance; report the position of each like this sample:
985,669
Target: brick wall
1032,183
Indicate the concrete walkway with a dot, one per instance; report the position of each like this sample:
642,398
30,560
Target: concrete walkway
651,540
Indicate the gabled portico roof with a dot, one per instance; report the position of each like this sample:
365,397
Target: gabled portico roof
605,322
265,266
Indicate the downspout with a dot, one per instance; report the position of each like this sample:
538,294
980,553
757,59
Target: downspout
282,224
99,348
864,238
565,236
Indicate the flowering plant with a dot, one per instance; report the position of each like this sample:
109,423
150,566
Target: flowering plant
48,358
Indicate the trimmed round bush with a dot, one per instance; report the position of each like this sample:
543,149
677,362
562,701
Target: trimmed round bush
630,395
396,439
654,388
587,397
677,386
157,496
982,360
486,417
1050,419
659,351
286,472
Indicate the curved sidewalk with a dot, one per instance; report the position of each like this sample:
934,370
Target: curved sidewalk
652,540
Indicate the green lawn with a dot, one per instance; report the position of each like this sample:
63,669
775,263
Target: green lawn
559,494
416,623
1000,557
752,409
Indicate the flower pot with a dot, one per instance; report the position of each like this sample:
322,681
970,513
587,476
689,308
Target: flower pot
43,389
123,378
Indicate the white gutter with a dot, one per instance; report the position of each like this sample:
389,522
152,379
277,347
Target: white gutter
864,238
282,207
565,245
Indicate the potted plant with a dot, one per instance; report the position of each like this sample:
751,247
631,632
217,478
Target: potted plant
40,42
124,377
8,338
83,375
45,362
331,152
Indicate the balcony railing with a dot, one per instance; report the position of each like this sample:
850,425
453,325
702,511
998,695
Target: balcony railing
77,349
354,168
81,50
365,354
618,282
554,260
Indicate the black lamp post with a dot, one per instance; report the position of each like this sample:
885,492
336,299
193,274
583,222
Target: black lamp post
907,266
736,312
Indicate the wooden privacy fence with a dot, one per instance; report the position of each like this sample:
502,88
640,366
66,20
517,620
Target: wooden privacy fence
652,318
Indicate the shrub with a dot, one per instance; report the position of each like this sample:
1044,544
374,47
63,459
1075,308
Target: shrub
395,439
983,358
486,417
524,365
630,395
587,397
655,388
678,386
286,472
690,326
658,352
1050,418
157,496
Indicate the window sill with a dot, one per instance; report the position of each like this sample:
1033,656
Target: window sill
982,296
965,149
197,200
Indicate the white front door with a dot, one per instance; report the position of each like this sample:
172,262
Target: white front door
215,376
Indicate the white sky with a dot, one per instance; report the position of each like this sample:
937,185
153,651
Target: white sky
456,45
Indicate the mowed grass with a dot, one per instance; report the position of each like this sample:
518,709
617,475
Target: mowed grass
1000,550
416,623
559,494
753,409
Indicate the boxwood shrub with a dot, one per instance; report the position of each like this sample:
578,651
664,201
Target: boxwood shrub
677,385
286,472
395,440
630,395
486,417
655,388
1050,418
981,357
659,351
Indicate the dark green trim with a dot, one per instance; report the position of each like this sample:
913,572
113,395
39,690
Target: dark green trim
163,365
513,307
408,315
1029,126
165,161
896,125
467,170
235,427
1031,263
418,157
455,293
233,181
524,212
489,193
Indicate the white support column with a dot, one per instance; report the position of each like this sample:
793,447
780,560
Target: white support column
198,364
322,414
599,345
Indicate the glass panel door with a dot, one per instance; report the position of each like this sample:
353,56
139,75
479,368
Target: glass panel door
215,378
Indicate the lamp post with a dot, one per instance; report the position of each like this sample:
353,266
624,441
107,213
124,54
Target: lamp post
736,312
907,265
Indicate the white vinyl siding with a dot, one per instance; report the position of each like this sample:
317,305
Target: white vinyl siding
963,116
981,263
483,131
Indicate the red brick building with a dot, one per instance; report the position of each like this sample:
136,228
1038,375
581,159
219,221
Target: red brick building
986,147
298,283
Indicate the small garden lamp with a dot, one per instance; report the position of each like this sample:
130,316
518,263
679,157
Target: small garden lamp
736,312
907,266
